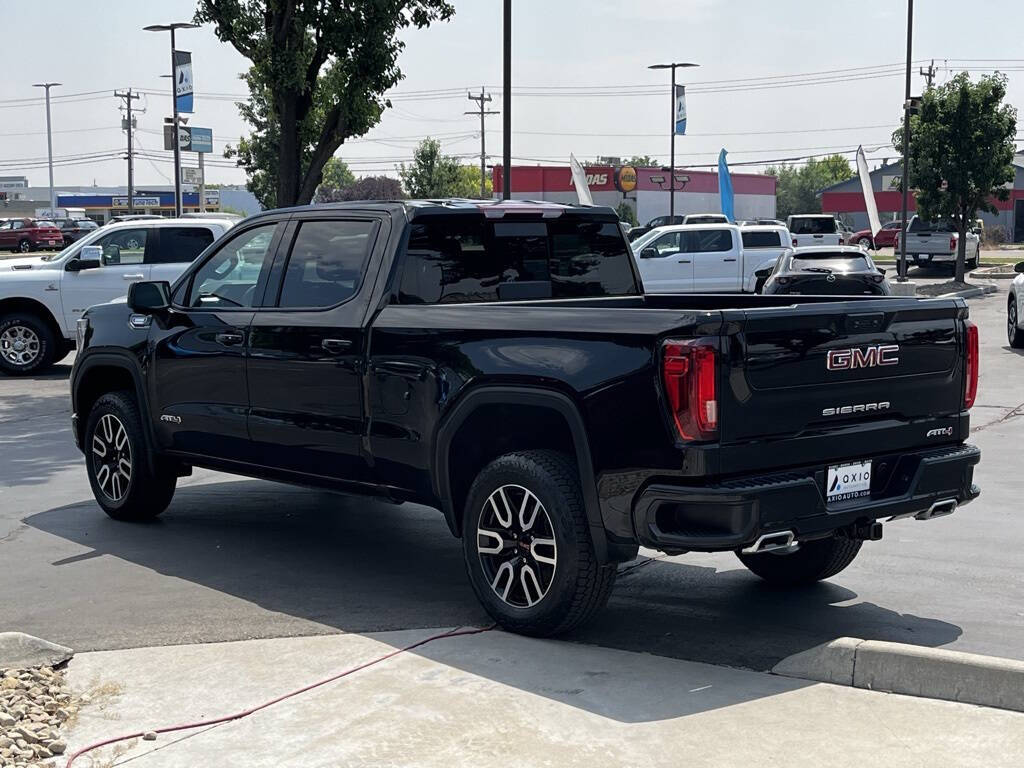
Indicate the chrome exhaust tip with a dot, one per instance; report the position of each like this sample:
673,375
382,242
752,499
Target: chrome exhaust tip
779,542
938,509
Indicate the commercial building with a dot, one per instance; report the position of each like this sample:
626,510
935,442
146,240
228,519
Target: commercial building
646,189
846,199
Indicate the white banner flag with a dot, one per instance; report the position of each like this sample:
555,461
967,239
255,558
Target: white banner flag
579,180
869,194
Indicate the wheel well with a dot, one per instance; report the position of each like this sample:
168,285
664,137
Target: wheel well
95,383
493,430
34,307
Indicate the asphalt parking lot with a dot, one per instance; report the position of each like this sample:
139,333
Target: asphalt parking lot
237,558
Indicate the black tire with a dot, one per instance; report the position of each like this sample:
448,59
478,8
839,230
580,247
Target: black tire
1014,334
27,344
814,561
145,492
25,246
866,244
577,587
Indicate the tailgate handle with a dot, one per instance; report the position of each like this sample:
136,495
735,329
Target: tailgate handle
866,323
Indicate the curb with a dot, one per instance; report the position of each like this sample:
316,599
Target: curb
967,293
19,651
911,670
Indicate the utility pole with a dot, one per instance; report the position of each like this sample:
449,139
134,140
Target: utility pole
49,143
128,96
506,97
482,99
906,145
928,74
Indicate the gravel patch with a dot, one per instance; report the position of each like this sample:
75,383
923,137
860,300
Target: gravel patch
34,704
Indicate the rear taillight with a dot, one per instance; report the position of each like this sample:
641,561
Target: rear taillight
794,242
952,243
688,375
971,365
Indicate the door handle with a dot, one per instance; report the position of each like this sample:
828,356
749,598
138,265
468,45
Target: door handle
335,346
229,339
683,261
133,277
728,259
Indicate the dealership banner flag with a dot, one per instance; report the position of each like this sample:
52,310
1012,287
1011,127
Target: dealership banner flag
869,195
183,80
680,126
579,180
725,187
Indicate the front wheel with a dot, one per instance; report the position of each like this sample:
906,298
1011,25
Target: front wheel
527,545
865,243
25,246
1013,332
122,480
813,561
27,344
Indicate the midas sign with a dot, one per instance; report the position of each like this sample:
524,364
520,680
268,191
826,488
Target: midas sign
594,179
625,178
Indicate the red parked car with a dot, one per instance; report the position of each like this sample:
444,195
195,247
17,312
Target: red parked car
30,235
886,237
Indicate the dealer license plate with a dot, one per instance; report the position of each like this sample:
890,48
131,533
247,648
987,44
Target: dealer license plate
848,481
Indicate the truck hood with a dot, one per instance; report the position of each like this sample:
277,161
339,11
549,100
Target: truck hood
25,264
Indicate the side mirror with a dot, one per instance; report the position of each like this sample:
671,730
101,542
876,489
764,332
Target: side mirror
149,298
881,270
761,274
88,258
1019,267
649,253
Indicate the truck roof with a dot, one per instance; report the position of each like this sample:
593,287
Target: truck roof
490,208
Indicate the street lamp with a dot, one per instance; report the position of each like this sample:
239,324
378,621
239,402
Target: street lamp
49,141
174,101
672,162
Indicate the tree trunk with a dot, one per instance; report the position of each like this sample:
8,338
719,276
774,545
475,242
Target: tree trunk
961,251
289,165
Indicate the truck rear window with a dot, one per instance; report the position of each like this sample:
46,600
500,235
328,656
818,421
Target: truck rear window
468,258
938,225
758,239
813,225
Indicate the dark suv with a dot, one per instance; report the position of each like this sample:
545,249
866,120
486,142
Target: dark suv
500,362
73,229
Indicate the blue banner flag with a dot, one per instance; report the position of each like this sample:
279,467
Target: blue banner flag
725,188
183,81
680,123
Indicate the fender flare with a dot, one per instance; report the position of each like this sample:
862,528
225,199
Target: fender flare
128,363
531,396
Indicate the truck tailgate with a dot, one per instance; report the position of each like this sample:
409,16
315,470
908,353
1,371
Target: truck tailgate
843,378
928,242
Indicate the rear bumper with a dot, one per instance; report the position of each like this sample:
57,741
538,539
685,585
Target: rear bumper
735,513
924,258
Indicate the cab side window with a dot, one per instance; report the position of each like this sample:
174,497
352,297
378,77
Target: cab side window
228,278
123,246
669,244
180,245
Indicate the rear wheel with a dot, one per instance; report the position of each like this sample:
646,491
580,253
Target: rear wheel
122,480
27,344
814,561
865,243
25,246
1013,332
527,545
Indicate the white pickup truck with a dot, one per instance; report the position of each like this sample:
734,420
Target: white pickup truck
705,258
814,229
42,297
935,242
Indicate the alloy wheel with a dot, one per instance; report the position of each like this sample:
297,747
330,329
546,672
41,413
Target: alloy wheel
864,243
24,246
112,457
20,345
516,544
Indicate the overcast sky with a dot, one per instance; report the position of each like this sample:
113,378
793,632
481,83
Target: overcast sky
597,49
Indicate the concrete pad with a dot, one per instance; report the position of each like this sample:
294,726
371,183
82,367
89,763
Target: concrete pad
832,662
18,650
940,674
906,288
502,700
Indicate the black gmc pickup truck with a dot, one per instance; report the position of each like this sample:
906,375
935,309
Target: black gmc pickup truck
500,362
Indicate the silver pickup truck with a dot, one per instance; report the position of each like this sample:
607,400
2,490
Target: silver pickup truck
935,242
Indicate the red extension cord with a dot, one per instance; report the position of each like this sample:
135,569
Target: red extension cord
246,712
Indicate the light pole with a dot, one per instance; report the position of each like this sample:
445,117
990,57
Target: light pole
902,266
672,159
174,101
506,96
49,141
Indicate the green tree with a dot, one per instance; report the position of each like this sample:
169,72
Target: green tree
336,177
371,188
626,213
319,72
643,161
798,187
433,174
961,152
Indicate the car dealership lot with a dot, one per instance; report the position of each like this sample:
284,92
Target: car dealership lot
237,558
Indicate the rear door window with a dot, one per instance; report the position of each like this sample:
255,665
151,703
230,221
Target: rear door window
468,258
326,264
180,245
